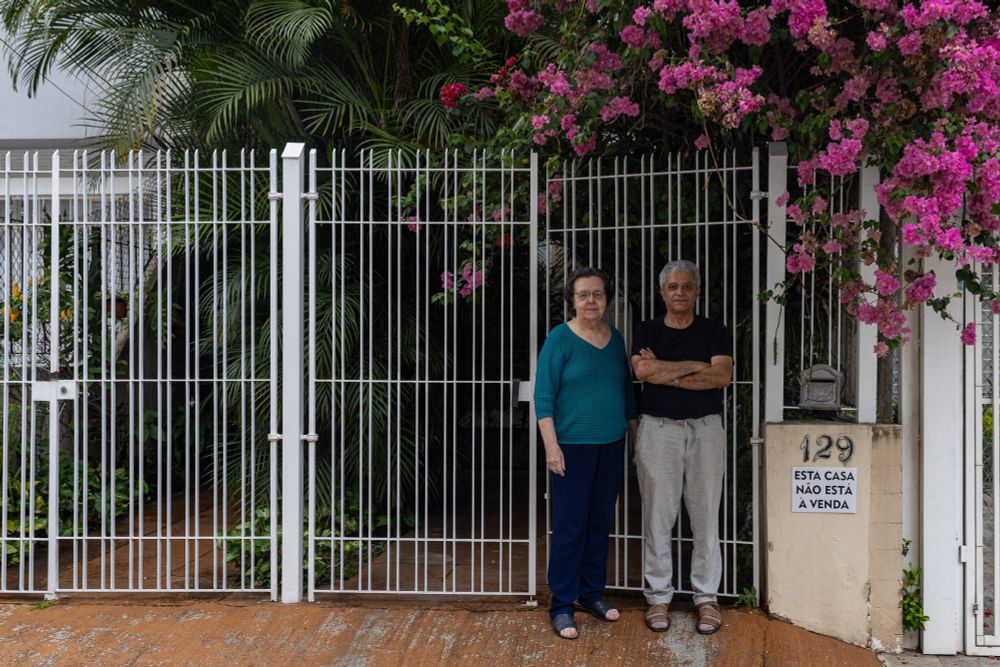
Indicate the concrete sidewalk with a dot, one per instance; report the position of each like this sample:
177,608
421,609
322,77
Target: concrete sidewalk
232,630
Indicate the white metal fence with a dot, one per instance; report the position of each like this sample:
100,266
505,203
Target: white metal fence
398,312
810,327
630,216
138,374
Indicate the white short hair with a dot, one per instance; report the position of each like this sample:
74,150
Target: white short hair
680,265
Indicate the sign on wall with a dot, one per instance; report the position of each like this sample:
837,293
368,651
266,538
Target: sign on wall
827,490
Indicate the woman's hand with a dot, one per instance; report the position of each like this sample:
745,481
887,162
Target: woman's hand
554,460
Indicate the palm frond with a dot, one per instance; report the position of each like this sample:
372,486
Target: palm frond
285,30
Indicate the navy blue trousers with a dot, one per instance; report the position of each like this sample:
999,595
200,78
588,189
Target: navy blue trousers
583,506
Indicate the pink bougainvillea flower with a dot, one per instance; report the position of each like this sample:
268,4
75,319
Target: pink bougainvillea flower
969,334
922,288
523,23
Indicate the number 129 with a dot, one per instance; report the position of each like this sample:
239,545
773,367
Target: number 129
825,444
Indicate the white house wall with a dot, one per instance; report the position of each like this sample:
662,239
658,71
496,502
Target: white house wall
54,117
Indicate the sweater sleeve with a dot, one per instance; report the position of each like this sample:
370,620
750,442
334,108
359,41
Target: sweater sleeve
547,376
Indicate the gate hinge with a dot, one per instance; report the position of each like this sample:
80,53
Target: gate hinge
975,609
310,437
273,437
53,390
755,442
963,553
274,196
311,196
758,194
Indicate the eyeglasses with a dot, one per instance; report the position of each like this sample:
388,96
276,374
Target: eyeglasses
585,296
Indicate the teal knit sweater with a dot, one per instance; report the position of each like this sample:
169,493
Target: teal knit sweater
587,391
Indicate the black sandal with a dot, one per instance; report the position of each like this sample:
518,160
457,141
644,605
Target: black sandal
562,622
598,609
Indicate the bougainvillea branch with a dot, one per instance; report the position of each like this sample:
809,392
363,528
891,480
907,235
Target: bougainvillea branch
910,87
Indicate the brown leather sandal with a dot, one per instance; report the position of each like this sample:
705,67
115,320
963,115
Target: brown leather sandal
657,618
710,615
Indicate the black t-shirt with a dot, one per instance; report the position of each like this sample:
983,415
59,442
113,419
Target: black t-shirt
703,339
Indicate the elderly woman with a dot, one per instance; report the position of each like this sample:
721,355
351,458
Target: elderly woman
585,405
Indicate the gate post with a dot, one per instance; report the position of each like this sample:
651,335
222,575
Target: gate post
53,521
774,349
533,356
864,357
292,313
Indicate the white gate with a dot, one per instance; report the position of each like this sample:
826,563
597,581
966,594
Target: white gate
629,217
421,328
140,363
138,373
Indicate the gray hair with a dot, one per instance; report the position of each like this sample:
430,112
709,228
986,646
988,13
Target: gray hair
680,265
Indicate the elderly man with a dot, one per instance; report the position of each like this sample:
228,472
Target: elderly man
685,361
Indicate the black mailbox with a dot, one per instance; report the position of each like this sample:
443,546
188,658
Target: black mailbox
820,388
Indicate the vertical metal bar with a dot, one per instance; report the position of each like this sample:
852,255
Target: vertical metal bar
31,345
78,455
215,384
533,362
245,351
103,382
369,501
995,436
420,386
222,380
195,481
274,437
129,283
292,314
755,373
619,219
188,384
6,417
397,227
164,405
53,522
387,380
340,199
87,372
427,352
24,378
452,175
311,251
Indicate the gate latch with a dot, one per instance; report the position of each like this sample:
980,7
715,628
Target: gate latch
53,390
524,391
